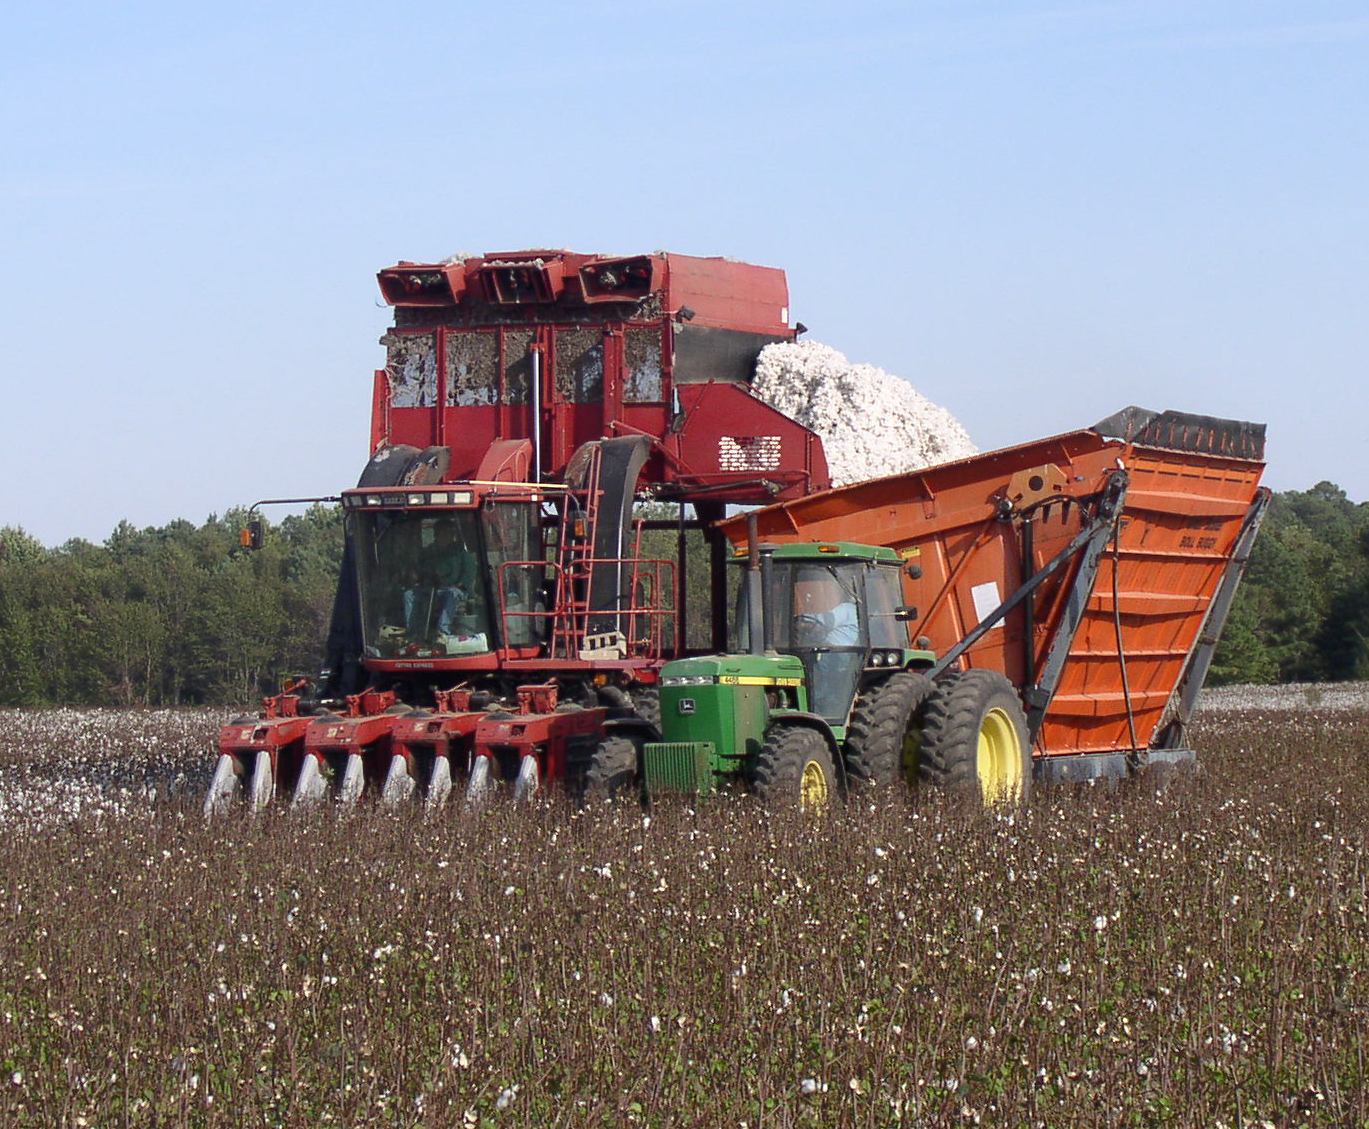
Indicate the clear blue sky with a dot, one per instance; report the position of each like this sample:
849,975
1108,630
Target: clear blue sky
1036,212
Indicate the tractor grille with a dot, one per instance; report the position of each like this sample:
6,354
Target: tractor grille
679,766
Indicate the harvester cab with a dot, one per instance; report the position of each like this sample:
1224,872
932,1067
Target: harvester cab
818,627
445,574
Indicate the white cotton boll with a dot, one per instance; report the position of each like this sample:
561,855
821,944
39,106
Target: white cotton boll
871,423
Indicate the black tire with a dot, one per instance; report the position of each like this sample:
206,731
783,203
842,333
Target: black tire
885,719
613,769
646,701
786,772
952,721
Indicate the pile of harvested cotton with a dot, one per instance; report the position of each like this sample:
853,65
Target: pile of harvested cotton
871,422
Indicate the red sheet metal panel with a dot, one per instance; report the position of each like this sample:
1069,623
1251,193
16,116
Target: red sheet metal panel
726,294
568,348
960,527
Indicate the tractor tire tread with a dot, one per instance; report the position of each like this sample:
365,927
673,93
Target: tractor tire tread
613,768
882,714
777,770
646,701
950,729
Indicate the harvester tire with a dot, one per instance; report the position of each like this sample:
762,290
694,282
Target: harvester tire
613,769
974,739
646,701
794,769
883,724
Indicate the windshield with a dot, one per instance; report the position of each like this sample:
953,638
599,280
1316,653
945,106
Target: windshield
517,570
422,589
813,604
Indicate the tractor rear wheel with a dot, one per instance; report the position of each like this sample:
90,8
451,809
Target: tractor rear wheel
885,729
613,767
974,739
794,769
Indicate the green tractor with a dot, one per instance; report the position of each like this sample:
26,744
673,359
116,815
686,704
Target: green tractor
820,693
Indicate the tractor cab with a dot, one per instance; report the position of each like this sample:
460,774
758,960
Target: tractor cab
816,625
838,608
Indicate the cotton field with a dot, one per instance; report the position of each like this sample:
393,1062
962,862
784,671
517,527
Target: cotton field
1192,955
871,422
60,765
1323,697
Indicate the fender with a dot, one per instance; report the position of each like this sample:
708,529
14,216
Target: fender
632,726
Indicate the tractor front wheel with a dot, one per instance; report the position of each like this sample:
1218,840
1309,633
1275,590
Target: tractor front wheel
794,769
974,739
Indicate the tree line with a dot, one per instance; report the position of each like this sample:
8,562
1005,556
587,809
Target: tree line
181,615
165,616
1302,613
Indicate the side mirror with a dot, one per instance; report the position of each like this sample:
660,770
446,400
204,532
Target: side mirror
253,535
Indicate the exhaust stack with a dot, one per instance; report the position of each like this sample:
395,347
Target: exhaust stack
755,608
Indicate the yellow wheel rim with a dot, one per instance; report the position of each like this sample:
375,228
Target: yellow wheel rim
813,786
999,759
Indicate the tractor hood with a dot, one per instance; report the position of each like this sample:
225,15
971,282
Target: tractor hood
734,670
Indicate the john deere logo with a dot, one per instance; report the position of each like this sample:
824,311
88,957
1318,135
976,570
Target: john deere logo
686,705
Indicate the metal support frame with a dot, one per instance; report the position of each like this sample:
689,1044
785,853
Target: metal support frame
1088,544
1038,697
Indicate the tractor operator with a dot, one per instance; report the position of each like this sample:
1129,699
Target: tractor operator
827,615
446,570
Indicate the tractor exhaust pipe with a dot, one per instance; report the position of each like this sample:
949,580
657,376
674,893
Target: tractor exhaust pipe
755,610
768,590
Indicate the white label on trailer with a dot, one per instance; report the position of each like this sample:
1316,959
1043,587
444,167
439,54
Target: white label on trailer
986,600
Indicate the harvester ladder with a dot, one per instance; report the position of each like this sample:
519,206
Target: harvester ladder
575,562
